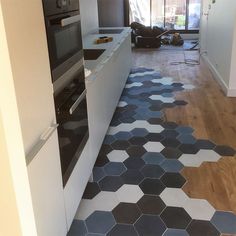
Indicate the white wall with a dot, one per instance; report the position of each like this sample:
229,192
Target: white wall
89,15
218,39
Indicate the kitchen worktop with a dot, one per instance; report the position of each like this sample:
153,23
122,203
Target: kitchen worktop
110,48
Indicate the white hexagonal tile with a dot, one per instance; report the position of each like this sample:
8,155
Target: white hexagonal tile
195,160
129,193
122,104
142,74
174,197
188,86
136,84
199,209
105,201
85,209
117,156
163,99
153,146
164,80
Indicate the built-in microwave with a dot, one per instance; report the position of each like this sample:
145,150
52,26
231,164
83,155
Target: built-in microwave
63,26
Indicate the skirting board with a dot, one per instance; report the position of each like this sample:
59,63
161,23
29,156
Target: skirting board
228,92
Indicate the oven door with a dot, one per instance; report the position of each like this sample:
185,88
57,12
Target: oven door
64,42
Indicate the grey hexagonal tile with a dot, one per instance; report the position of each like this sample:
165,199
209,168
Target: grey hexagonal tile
123,230
152,171
153,158
77,228
152,186
114,168
111,183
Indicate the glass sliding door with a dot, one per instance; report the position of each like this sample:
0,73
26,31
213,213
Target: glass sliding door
194,11
158,13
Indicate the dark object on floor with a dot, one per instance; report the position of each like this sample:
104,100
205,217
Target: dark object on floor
176,40
146,37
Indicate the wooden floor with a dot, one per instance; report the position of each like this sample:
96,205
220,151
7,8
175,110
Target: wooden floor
209,111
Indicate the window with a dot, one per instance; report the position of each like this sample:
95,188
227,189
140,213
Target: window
173,14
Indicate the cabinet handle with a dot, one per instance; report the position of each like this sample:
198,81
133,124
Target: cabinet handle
41,142
77,102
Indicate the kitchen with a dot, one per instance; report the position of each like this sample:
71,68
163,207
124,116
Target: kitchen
75,107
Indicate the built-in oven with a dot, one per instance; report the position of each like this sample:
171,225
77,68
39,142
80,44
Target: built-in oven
63,26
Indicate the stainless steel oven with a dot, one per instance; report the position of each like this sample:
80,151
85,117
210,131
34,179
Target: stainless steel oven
63,26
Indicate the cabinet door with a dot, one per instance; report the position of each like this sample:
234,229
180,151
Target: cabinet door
45,179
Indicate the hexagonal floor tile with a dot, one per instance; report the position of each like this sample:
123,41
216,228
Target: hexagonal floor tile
152,186
132,176
169,133
153,158
139,132
123,230
225,150
175,217
187,138
172,166
138,141
150,225
188,148
171,153
134,163
170,142
152,171
100,222
114,168
126,213
129,193
120,145
117,156
92,189
175,232
173,180
151,205
153,147
136,151
184,130
200,227
205,144
111,183
154,137
77,228
122,135
225,222
98,173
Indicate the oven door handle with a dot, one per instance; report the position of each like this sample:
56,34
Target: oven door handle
77,102
70,20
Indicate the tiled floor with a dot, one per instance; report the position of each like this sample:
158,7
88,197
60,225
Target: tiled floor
137,188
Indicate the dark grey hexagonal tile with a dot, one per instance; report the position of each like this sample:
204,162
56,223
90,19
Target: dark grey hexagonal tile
173,180
152,171
120,145
153,158
123,230
169,133
98,173
169,125
151,205
170,142
122,135
77,228
111,183
225,222
176,232
175,217
205,144
200,227
105,149
138,141
149,225
101,160
114,168
180,103
224,150
126,213
139,132
155,121
154,137
189,148
171,153
152,186
136,151
172,166
187,138
109,139
184,130
91,190
134,163
132,176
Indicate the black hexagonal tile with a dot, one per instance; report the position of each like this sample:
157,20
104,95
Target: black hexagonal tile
152,171
132,176
169,125
173,180
126,213
155,121
152,186
91,190
111,183
139,141
102,160
180,103
151,205
175,217
170,142
171,153
154,137
136,151
114,168
200,227
149,225
189,148
123,230
120,145
205,144
77,228
105,149
169,133
134,163
224,150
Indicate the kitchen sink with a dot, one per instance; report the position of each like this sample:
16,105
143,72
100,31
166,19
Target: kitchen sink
93,54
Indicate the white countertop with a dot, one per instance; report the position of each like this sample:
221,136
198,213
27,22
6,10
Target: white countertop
111,47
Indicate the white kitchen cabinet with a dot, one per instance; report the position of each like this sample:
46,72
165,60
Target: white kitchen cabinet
45,180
